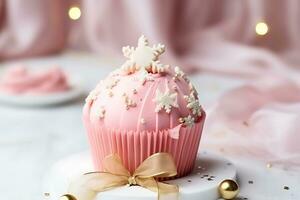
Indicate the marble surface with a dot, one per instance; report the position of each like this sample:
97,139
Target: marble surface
32,139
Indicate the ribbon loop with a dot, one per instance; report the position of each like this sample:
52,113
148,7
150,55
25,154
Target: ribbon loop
113,164
159,165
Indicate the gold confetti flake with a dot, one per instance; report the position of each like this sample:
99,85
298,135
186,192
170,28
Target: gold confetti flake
269,165
245,123
286,188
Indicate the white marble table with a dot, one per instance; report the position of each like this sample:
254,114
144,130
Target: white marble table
32,139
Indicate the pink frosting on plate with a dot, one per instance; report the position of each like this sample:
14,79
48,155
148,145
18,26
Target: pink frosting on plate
20,80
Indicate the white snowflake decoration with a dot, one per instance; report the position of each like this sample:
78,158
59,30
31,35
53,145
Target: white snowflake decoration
193,104
165,100
189,121
143,57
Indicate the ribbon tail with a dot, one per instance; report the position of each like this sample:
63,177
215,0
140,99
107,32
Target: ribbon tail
80,190
165,188
89,185
160,188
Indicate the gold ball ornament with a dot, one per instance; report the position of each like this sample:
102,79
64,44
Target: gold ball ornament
67,197
228,189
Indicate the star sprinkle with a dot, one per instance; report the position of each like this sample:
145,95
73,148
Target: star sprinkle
115,73
192,88
143,121
110,83
178,72
188,121
165,100
100,112
128,102
93,95
134,91
143,57
110,93
181,120
193,104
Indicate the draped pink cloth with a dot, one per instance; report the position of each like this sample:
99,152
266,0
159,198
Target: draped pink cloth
209,35
260,119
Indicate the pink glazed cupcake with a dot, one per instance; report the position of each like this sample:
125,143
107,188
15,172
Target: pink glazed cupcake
143,108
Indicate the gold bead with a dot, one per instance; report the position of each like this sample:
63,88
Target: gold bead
67,197
228,189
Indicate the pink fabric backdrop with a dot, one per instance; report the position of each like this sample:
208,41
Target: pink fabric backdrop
211,35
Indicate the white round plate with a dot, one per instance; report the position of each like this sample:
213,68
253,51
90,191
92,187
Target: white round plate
202,183
42,100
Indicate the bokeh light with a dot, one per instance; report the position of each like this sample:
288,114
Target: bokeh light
261,28
74,13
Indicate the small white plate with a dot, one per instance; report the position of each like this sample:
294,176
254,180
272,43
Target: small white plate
43,100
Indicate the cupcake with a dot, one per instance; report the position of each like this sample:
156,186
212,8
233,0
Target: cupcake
142,108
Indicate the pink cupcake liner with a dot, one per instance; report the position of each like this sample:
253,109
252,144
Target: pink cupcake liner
134,147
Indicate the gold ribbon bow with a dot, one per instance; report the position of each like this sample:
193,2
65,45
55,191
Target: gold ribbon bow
159,165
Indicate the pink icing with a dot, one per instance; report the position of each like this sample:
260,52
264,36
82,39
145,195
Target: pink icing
117,116
19,80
